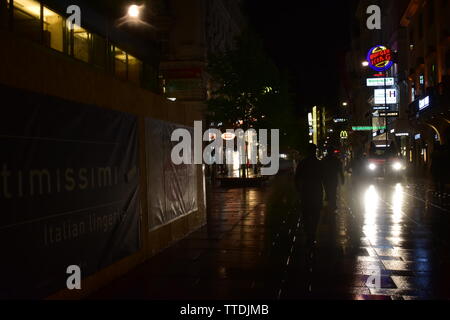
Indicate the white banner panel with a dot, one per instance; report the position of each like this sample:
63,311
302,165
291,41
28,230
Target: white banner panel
172,189
388,96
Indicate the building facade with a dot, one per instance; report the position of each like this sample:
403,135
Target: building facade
193,30
428,76
86,173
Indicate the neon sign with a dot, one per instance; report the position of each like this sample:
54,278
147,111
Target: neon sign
368,128
380,58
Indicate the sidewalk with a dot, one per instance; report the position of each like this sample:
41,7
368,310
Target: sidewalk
225,259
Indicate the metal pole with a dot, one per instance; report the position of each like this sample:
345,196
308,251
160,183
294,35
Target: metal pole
386,106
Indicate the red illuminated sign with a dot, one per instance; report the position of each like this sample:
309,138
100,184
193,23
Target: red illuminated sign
380,58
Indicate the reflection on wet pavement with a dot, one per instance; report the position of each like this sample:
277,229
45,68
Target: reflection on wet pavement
253,247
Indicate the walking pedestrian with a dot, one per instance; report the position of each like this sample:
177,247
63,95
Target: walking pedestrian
333,173
309,184
437,169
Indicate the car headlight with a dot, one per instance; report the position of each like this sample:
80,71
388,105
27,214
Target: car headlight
372,167
397,166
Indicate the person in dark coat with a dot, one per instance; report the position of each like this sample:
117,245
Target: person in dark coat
333,173
436,166
309,184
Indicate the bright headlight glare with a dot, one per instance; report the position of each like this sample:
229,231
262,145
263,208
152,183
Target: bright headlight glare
372,167
397,166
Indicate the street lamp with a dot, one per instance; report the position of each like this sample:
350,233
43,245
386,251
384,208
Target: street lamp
344,104
134,11
365,64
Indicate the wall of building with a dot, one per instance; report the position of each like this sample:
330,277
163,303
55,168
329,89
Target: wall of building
428,52
35,68
192,31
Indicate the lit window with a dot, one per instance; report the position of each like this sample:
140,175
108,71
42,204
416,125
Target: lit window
53,30
99,51
120,63
81,43
27,19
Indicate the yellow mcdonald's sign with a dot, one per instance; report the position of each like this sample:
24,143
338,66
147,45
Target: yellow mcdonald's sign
344,135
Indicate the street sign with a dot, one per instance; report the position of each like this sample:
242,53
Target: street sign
385,96
368,128
392,114
380,82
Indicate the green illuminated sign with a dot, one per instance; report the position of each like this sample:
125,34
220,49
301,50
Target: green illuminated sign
368,128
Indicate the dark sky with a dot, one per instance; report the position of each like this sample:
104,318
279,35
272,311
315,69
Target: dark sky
305,37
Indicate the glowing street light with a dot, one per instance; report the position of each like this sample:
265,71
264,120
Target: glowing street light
365,63
344,104
134,11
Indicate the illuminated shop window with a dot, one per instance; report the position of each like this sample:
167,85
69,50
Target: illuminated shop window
120,63
27,19
53,30
134,69
81,43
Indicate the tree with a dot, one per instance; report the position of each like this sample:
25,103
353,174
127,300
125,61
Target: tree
250,91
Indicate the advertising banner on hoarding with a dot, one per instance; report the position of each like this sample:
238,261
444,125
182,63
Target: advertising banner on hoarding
68,192
172,191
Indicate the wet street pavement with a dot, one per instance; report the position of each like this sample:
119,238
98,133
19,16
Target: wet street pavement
387,241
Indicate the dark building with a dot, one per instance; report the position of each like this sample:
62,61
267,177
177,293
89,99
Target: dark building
86,176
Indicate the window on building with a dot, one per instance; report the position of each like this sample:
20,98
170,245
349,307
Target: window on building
99,52
120,63
27,19
53,30
134,69
80,43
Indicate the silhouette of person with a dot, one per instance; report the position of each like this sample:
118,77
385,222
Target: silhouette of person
438,164
333,172
357,167
309,184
